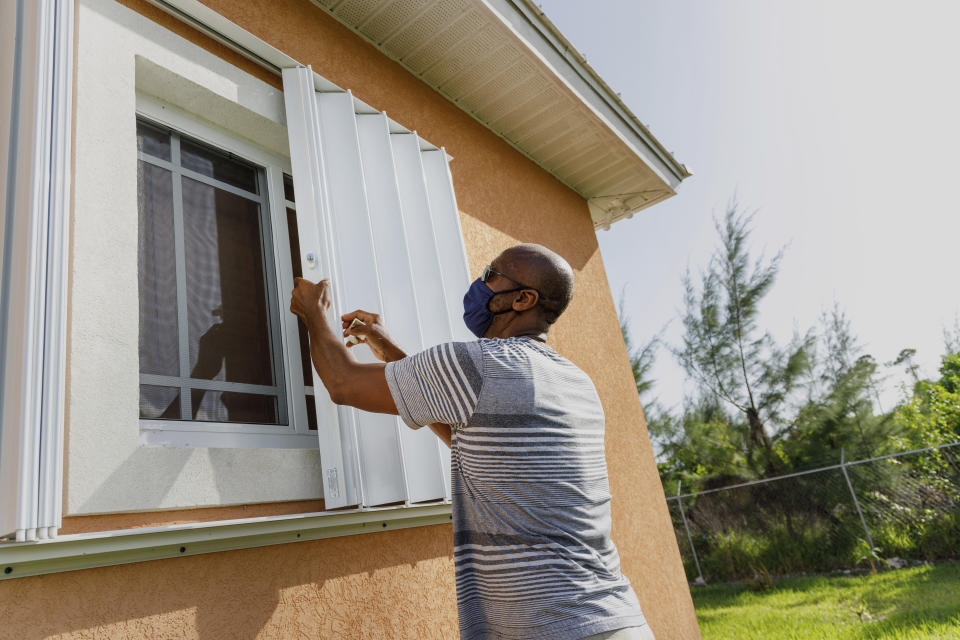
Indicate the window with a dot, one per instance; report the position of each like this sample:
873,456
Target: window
131,69
185,168
211,343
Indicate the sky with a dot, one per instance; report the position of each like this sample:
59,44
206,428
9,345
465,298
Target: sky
837,122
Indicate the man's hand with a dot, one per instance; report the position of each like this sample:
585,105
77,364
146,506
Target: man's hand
363,386
309,299
374,334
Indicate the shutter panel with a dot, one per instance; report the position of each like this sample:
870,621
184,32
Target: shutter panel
423,470
316,248
425,256
382,217
376,449
451,252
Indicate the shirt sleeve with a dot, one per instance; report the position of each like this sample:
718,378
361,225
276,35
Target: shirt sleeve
440,384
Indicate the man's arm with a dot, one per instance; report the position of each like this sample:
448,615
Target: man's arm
443,432
381,344
348,382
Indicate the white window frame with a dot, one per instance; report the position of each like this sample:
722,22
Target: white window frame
185,433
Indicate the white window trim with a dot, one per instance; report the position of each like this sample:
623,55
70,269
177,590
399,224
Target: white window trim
296,435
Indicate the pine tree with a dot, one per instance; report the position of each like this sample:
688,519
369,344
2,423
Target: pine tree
724,348
840,411
642,357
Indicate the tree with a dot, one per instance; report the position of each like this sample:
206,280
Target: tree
643,357
951,337
724,349
839,411
704,446
660,424
931,416
905,358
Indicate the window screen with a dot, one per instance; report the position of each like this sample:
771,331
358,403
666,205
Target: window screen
209,343
294,237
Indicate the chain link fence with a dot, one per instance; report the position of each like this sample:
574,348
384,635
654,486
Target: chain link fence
904,506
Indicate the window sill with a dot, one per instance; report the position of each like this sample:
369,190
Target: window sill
107,548
223,436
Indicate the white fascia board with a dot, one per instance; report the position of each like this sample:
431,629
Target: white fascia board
106,548
532,27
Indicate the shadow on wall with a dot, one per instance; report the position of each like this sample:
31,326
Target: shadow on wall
566,230
163,464
395,584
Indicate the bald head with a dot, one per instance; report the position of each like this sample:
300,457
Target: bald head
543,269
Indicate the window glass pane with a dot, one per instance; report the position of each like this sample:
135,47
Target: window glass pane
294,236
297,273
305,363
215,240
311,414
153,141
159,402
156,264
228,406
229,329
288,188
216,165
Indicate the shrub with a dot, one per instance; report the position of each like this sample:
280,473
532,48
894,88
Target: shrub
939,538
818,548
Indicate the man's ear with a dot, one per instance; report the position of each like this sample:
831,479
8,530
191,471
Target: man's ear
526,299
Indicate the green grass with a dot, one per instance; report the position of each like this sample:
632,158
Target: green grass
920,603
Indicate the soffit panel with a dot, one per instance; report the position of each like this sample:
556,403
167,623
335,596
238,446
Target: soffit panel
471,54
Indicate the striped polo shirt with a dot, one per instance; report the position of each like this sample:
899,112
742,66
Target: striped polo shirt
531,499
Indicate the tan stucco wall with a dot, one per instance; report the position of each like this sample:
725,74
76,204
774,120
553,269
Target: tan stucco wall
383,586
394,584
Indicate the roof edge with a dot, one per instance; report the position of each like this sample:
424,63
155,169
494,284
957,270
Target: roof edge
549,34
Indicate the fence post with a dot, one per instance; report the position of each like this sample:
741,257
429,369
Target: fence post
689,537
856,503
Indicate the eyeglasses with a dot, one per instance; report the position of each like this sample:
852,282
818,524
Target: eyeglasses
489,271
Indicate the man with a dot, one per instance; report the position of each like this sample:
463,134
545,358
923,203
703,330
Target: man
531,514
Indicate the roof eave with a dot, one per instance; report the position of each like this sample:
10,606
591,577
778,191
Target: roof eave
655,174
593,90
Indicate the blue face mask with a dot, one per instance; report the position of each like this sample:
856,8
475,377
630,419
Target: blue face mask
476,307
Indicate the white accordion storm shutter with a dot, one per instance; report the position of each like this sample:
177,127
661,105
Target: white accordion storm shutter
35,148
383,221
